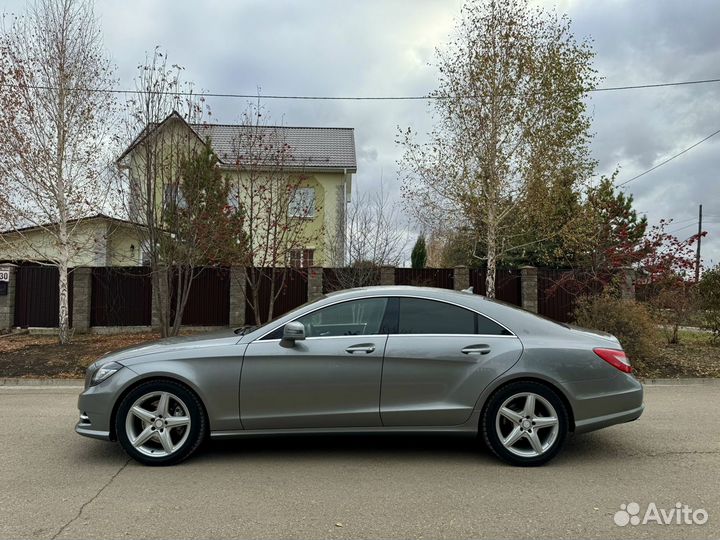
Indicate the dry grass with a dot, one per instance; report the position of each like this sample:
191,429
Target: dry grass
695,356
27,355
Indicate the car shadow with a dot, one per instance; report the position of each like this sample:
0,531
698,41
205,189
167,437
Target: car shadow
585,448
347,446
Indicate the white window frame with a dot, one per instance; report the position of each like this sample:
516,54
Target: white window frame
303,197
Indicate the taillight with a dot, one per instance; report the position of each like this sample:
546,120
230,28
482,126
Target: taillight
615,358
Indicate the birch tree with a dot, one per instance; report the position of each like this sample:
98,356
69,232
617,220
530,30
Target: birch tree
509,115
55,113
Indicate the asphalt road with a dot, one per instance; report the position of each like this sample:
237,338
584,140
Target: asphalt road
55,484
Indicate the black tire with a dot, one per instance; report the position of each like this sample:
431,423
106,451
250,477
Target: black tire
492,438
195,410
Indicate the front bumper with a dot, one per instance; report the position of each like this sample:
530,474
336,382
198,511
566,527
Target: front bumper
81,429
96,405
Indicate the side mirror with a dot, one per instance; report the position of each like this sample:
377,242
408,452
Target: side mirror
293,331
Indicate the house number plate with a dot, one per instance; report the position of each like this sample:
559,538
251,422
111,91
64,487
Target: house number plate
4,274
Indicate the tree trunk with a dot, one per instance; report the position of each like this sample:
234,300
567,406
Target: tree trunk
491,255
162,300
64,310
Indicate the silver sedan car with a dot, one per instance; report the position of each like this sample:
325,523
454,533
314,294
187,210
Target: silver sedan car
371,360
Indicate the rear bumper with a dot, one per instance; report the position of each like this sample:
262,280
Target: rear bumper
601,403
591,424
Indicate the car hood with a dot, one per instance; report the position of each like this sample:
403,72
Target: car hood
595,334
210,339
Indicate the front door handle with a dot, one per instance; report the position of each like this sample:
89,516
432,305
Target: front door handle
477,349
367,348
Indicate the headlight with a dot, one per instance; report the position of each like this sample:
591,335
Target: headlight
104,372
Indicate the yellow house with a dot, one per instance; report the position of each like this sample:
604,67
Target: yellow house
314,164
97,240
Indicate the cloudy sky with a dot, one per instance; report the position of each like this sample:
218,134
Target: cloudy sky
374,47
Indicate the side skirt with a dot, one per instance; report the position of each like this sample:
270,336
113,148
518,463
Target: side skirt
462,430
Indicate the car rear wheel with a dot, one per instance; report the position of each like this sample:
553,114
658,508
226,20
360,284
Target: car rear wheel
525,423
160,423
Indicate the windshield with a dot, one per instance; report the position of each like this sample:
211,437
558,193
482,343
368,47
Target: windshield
251,328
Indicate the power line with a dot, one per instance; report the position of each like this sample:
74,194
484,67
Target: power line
338,98
668,160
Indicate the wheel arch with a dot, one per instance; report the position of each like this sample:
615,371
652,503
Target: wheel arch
153,377
551,385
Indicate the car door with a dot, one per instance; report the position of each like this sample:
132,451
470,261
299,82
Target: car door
439,361
330,379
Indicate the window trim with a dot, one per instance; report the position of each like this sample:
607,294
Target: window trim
312,214
389,297
476,321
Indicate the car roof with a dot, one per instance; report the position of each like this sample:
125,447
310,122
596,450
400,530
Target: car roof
512,317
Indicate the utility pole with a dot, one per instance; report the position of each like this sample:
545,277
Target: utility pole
697,256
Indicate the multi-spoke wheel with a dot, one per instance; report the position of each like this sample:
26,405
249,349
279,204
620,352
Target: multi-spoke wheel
160,423
525,423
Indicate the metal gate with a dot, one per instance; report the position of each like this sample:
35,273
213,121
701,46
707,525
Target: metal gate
37,296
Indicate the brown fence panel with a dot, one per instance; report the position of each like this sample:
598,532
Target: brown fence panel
337,279
292,284
558,291
37,297
208,302
507,284
121,296
425,277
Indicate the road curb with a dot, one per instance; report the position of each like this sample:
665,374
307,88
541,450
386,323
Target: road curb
19,381
686,381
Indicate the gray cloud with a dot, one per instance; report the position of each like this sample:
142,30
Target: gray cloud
384,48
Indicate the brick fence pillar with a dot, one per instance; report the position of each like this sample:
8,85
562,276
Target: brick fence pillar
529,288
237,296
82,289
461,278
315,283
387,275
627,283
7,302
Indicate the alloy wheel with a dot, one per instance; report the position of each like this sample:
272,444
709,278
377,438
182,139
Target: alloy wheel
527,424
158,424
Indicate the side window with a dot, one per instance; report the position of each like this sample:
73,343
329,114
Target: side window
353,318
419,316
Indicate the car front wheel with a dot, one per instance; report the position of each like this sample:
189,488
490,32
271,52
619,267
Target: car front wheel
160,423
525,423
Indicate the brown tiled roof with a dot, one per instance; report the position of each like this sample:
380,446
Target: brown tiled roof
307,148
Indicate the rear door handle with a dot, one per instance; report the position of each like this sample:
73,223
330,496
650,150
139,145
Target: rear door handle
367,348
477,349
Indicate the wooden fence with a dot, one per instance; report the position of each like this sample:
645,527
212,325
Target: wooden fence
290,284
507,284
37,296
120,297
123,296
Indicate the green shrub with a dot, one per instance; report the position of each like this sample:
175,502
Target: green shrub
709,301
629,321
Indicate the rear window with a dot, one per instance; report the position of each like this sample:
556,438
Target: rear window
418,316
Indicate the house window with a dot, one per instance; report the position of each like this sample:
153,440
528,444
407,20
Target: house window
302,258
302,203
174,197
